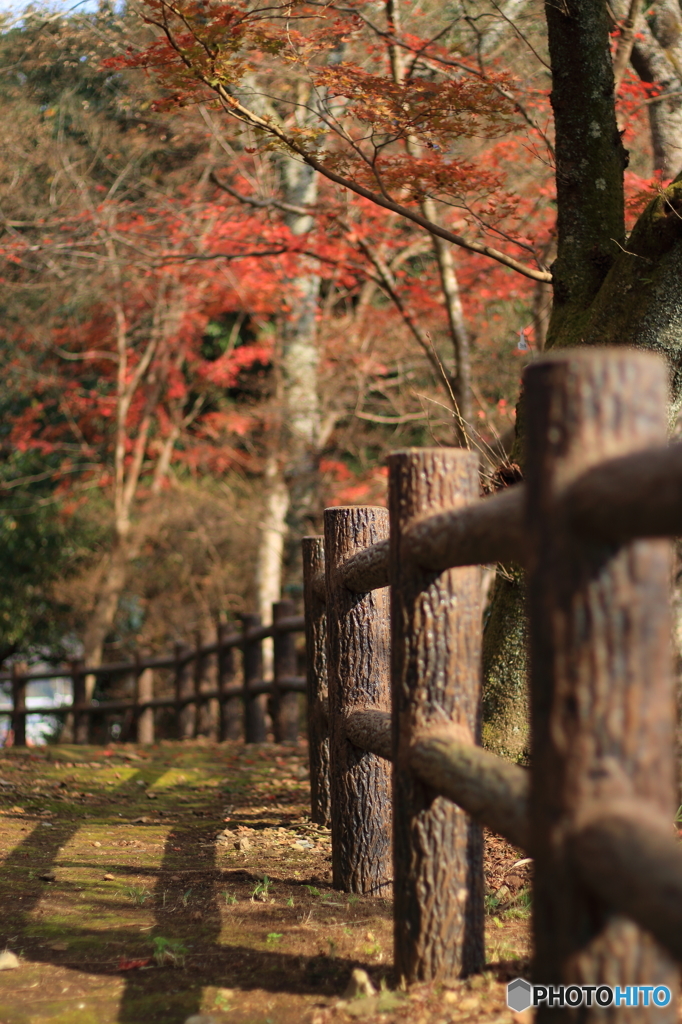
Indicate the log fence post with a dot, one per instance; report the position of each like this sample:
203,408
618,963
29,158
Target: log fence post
284,705
81,719
316,681
144,690
254,704
19,704
202,724
184,687
229,708
436,651
358,671
602,693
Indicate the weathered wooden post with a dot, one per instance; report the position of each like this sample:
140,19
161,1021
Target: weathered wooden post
19,704
436,649
316,679
358,672
184,687
203,723
81,718
603,711
254,704
144,691
284,705
229,708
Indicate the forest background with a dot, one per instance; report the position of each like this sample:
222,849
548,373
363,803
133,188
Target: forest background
205,340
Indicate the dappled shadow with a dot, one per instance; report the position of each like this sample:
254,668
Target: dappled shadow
185,903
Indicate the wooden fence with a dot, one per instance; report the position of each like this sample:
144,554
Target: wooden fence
238,702
394,694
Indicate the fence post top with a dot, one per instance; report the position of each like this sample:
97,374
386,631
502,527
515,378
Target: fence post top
589,355
351,508
451,452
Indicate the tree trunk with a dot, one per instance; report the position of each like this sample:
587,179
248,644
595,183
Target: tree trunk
103,614
505,706
291,472
270,550
605,292
657,59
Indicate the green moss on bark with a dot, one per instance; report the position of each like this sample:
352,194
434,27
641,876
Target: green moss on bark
505,695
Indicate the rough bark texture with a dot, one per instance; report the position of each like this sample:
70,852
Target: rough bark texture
589,154
602,689
640,302
144,690
657,59
316,681
627,854
371,730
604,295
231,710
485,786
505,706
436,621
368,570
486,531
614,500
255,730
284,705
358,668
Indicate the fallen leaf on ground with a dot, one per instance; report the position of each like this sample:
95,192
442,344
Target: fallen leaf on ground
133,965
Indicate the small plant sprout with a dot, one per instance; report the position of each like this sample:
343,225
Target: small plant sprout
230,900
185,897
312,890
274,937
138,895
290,901
262,889
169,951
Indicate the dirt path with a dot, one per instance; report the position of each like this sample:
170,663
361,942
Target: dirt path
123,906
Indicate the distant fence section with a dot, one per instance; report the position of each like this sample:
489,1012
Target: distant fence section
241,705
394,688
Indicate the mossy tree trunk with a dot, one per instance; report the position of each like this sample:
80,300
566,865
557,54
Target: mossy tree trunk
607,290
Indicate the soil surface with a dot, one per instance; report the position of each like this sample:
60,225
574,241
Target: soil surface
160,883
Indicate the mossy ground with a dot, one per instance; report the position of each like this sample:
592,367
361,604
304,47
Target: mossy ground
129,836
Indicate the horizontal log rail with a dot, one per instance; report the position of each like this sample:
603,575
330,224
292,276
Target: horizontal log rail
490,789
635,496
488,531
630,857
292,624
237,702
292,684
627,854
